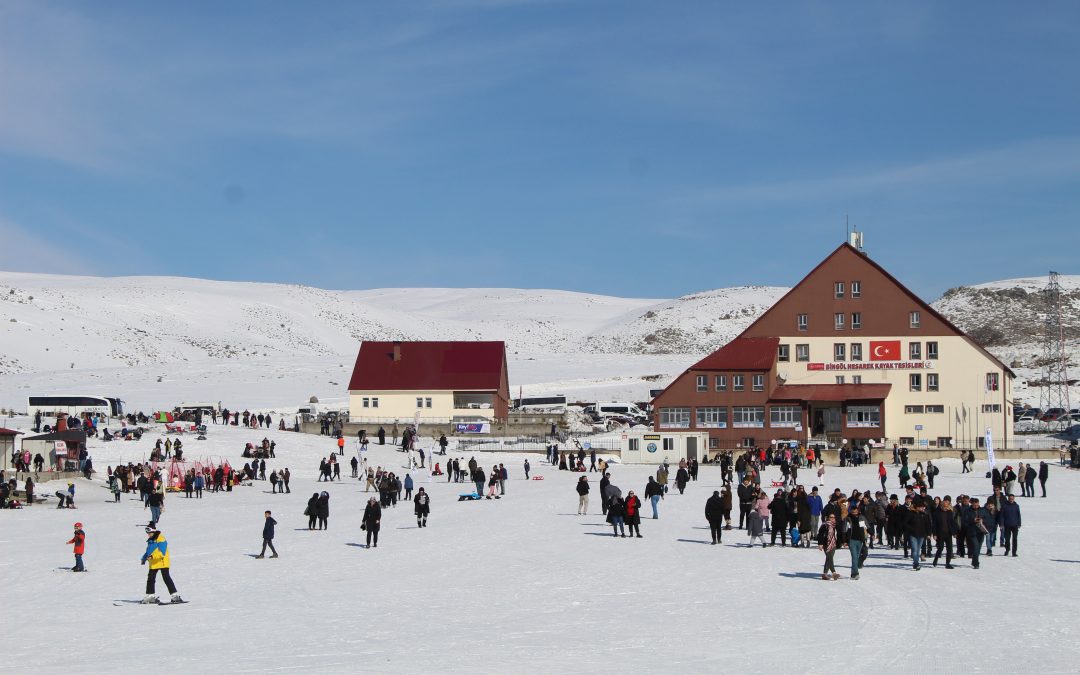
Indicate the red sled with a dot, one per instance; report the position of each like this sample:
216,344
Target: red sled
538,478
778,483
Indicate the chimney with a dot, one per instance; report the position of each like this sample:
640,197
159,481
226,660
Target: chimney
397,350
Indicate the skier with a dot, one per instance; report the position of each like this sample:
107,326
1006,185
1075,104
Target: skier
423,507
157,552
268,536
372,516
79,540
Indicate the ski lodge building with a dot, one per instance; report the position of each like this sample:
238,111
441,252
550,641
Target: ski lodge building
848,354
429,383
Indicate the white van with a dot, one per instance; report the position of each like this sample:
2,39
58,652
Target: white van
616,409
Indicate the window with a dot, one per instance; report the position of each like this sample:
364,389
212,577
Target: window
714,443
991,407
785,415
375,402
748,441
931,382
721,383
991,382
675,418
758,382
907,440
931,350
802,322
702,383
856,351
838,319
944,441
915,382
802,352
856,320
935,409
748,416
913,409
710,418
419,401
856,379
737,382
863,416
915,351
783,353
365,402
856,289
915,319
668,443
840,379
634,444
839,289
427,402
839,351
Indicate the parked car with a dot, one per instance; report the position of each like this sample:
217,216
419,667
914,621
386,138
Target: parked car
1052,414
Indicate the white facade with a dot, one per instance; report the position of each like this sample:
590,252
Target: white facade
653,447
434,407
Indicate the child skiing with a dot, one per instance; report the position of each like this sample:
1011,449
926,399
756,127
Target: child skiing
79,540
157,552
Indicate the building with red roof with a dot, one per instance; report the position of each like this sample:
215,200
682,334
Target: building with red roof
437,382
849,354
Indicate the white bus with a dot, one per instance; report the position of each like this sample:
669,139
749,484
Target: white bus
74,405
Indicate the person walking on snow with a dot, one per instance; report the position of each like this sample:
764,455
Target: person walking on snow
714,514
157,552
370,523
423,507
583,495
268,536
654,493
827,538
79,540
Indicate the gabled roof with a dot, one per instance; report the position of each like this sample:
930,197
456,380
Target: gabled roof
8,432
429,366
741,354
830,392
70,436
846,247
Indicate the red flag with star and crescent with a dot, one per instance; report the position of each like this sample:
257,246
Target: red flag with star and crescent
885,350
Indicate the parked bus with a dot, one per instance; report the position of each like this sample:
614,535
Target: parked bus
540,403
74,405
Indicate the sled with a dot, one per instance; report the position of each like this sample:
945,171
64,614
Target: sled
468,497
778,483
538,478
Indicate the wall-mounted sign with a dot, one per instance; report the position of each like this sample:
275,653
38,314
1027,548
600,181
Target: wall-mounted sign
651,437
651,447
859,365
473,428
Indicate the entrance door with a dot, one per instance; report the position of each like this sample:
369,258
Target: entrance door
832,420
691,447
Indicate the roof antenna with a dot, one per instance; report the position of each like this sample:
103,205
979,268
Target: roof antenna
847,229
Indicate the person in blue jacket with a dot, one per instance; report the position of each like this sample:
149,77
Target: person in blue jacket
268,536
816,506
408,487
1010,520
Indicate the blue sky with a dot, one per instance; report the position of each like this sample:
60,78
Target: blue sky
645,149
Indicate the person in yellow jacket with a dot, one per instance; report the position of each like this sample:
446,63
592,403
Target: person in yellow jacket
157,552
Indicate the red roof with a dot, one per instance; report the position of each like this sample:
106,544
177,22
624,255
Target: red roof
830,392
8,432
741,354
429,366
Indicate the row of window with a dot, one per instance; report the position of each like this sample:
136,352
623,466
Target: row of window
780,416
938,409
856,289
738,383
842,351
802,321
373,402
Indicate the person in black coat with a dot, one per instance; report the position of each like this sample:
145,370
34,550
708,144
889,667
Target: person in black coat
268,536
312,510
382,436
422,503
746,498
1044,473
918,528
324,509
780,511
371,520
1010,520
1029,480
604,502
945,528
682,477
974,526
714,513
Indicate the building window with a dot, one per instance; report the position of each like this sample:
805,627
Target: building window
944,441
634,444
419,401
748,416
668,443
714,443
675,418
856,289
856,320
366,402
803,323
913,409
935,409
375,402
838,287
931,382
931,350
915,382
802,352
721,383
838,319
863,416
758,382
703,383
856,351
856,379
737,382
710,418
915,351
840,379
785,416
783,353
748,441
991,382
907,440
991,407
839,351
915,319
427,402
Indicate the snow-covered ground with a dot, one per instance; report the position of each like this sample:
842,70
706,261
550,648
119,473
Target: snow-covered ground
521,584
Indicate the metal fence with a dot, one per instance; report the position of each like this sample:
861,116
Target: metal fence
533,444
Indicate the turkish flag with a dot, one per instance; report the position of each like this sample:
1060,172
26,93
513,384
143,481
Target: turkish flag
886,350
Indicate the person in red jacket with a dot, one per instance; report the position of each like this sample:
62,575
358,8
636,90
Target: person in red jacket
79,540
633,514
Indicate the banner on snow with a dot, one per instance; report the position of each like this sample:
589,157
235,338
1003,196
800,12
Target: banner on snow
989,448
473,428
